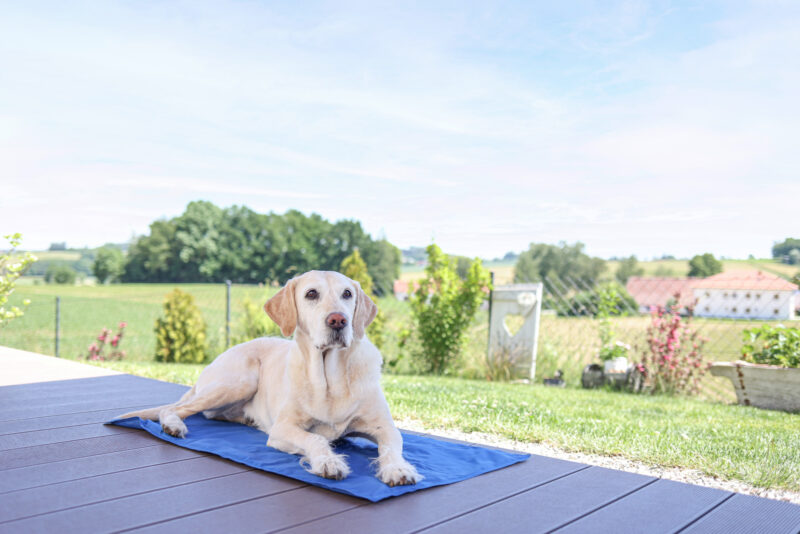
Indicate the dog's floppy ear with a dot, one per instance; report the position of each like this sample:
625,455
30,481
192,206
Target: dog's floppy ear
365,312
282,308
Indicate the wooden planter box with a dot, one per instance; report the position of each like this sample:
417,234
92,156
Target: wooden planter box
762,386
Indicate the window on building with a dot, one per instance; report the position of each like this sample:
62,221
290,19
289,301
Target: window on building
747,295
747,310
775,311
733,309
708,309
708,295
777,296
734,295
724,295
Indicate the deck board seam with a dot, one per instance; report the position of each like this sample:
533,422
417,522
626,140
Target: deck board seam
138,527
604,505
48,430
492,503
120,497
326,516
75,457
76,413
101,474
121,431
705,513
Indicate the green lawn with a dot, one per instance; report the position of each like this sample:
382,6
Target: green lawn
732,442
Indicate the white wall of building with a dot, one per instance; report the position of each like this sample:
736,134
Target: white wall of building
744,303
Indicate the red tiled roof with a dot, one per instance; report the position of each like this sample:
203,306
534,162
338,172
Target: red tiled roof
744,279
656,291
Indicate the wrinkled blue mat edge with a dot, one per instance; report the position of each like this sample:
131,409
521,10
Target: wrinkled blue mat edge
440,462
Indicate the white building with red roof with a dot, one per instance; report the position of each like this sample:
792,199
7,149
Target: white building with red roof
744,294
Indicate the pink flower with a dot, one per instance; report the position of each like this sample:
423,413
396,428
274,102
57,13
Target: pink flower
115,341
123,324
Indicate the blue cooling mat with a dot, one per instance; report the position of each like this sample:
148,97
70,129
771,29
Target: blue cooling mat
440,462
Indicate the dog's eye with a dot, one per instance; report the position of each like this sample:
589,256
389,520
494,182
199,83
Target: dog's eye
312,294
346,294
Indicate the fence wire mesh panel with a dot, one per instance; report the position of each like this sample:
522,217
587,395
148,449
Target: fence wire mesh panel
719,308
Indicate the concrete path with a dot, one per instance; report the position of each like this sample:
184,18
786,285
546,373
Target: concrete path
23,367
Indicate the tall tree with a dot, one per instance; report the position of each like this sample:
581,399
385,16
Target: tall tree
561,263
109,264
628,267
704,265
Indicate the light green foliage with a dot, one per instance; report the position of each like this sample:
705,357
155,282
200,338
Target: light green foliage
254,323
704,265
443,306
109,264
181,331
61,274
773,345
628,267
608,305
11,268
353,267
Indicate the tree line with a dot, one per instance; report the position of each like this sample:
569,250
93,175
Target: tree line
207,243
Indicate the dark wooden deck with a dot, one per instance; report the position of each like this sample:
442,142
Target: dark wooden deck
61,470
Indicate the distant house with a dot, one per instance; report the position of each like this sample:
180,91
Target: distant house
401,289
745,294
650,293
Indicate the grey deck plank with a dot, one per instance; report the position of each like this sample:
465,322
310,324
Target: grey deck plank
162,505
266,514
550,506
67,406
664,506
73,493
97,385
54,452
745,514
56,435
418,510
89,466
72,419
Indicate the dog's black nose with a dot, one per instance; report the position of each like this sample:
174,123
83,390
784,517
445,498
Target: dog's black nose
337,321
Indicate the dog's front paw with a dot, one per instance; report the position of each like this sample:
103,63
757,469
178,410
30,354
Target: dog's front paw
398,474
174,427
329,466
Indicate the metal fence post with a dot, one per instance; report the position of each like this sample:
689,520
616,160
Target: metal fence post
58,325
227,313
489,320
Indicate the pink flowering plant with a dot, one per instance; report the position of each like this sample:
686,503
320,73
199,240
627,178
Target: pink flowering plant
672,361
96,349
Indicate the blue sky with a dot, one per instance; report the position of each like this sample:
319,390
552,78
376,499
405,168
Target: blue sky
636,127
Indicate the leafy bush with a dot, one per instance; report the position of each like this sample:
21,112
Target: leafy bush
773,345
11,268
96,348
181,331
109,264
443,306
673,360
354,267
608,304
254,323
59,273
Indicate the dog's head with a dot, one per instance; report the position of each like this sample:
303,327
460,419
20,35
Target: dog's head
328,307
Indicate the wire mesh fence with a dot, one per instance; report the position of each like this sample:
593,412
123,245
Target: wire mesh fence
720,308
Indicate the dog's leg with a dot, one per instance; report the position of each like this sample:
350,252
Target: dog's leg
318,456
393,469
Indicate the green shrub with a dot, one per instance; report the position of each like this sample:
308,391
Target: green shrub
254,323
59,273
443,306
773,345
11,268
181,331
109,264
354,267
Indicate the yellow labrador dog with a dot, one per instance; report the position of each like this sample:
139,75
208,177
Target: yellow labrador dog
306,392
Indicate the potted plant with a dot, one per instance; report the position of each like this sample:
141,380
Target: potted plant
768,375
